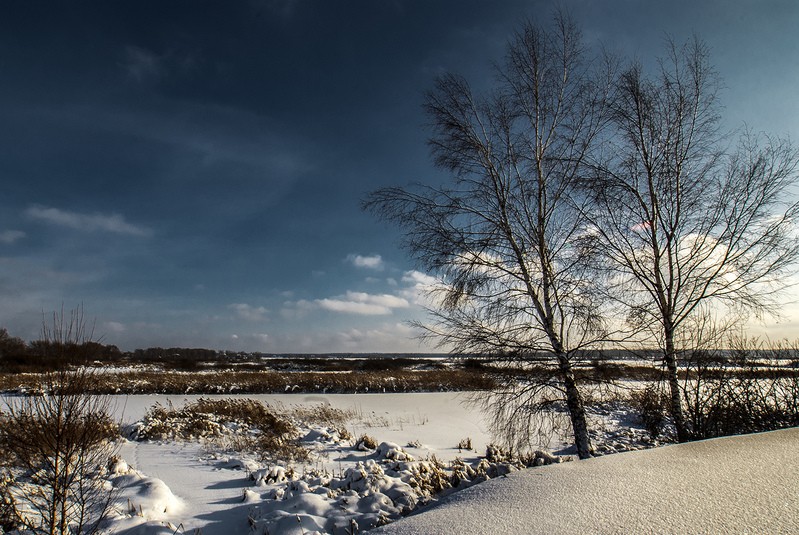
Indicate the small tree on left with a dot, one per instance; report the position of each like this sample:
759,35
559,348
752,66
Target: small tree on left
55,447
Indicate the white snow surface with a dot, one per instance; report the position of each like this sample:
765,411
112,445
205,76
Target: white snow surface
741,484
181,486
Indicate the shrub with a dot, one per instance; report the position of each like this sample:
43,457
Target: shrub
56,448
651,406
239,424
366,442
745,389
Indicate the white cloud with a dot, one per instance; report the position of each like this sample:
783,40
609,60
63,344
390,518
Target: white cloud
363,303
367,262
419,278
387,300
9,237
86,222
353,307
350,303
419,287
249,312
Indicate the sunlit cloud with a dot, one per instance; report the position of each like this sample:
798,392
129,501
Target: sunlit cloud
361,303
418,287
114,223
364,303
367,262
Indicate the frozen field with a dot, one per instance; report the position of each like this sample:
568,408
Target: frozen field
740,484
188,486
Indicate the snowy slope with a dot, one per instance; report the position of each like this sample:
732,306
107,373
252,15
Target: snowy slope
743,484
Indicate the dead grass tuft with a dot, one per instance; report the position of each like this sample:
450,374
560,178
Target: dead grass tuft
237,424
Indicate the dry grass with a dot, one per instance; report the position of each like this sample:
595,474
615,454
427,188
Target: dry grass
366,442
237,424
321,414
268,382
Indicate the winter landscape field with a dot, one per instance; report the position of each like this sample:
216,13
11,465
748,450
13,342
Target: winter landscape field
451,267
420,462
383,455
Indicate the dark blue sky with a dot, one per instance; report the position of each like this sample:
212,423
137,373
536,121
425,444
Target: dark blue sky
192,171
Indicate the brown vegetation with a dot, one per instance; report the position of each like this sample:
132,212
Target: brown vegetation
237,424
56,447
266,382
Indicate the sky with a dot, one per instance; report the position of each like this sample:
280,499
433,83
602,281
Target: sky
192,172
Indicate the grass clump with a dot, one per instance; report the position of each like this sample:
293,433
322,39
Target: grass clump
322,414
244,425
366,442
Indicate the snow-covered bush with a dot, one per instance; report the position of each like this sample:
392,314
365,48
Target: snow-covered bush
234,423
56,448
365,442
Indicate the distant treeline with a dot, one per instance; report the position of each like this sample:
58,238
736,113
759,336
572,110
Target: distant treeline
39,355
18,356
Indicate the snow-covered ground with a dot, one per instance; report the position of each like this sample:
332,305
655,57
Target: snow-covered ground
742,484
196,487
187,485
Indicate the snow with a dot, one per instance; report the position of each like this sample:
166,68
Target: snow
220,493
736,484
742,484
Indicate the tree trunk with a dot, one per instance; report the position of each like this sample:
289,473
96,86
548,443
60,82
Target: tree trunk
574,402
670,358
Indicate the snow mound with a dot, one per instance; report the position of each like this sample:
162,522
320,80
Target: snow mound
147,503
727,485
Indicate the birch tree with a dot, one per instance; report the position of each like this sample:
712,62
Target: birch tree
689,221
505,236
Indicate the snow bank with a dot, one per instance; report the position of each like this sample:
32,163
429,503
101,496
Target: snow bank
726,485
144,504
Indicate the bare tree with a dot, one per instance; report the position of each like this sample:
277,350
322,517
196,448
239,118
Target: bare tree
67,339
56,446
505,237
687,223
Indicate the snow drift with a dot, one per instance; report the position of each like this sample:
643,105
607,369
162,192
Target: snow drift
726,485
